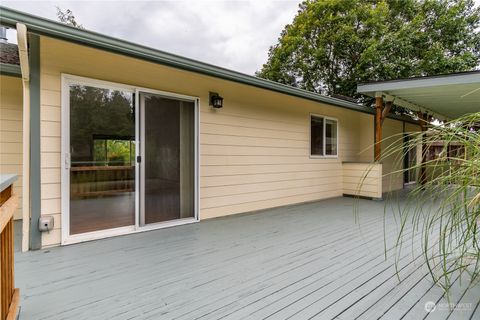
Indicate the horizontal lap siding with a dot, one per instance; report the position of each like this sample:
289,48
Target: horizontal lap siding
392,160
409,129
254,152
50,147
11,127
258,156
363,179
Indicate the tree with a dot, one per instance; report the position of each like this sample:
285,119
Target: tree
68,18
101,115
332,45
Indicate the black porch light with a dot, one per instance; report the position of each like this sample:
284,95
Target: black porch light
215,100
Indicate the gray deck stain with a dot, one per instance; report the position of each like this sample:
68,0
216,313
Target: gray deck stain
308,261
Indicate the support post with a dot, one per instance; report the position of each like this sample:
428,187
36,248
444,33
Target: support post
386,110
378,126
34,61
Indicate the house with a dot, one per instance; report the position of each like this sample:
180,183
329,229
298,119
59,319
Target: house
111,138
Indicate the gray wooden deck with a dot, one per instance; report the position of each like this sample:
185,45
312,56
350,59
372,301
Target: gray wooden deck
300,262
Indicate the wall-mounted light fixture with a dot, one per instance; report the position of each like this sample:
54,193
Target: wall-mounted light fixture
215,100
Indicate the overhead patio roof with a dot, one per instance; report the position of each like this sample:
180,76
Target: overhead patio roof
444,96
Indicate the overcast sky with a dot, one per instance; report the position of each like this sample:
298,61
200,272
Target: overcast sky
231,34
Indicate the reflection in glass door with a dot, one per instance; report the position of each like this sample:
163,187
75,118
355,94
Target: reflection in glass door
167,152
102,159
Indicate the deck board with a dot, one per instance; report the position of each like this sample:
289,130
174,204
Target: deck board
310,260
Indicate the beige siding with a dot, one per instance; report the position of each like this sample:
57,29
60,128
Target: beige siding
362,179
410,127
11,132
392,159
254,153
392,134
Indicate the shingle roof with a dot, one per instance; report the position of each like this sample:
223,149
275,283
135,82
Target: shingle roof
9,53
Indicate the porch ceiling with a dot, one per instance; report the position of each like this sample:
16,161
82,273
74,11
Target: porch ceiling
445,96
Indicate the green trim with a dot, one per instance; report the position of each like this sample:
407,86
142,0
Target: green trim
11,70
466,77
34,61
58,30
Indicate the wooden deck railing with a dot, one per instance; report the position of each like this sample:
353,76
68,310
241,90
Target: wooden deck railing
101,180
9,296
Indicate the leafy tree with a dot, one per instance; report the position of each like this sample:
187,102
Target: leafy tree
100,114
68,18
332,45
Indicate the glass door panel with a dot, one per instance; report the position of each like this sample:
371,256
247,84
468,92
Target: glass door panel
167,171
409,162
102,159
412,163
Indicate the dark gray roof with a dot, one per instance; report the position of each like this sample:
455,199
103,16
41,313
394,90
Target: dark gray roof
9,53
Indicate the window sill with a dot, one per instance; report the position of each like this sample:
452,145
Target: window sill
323,157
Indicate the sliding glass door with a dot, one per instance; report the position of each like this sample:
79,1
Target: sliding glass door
129,159
168,161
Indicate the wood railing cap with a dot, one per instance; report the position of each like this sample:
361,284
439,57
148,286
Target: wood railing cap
7,210
7,180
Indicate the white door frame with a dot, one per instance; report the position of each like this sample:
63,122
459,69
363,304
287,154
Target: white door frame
66,238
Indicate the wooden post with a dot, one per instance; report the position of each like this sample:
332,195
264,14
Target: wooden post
386,110
378,126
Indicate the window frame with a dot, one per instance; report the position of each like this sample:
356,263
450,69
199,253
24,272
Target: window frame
324,156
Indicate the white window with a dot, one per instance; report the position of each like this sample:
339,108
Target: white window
323,136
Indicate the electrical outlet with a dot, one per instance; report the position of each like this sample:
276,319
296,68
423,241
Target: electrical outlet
45,223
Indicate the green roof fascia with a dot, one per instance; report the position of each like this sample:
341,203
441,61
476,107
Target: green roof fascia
46,27
465,77
12,70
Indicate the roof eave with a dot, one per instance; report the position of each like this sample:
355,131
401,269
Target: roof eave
12,70
369,88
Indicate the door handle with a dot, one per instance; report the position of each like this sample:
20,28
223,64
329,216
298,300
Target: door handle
67,161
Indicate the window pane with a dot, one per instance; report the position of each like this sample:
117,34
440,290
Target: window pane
317,136
331,137
102,175
169,165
